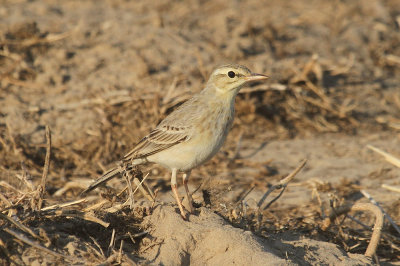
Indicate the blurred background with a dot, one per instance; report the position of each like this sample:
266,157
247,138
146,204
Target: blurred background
103,73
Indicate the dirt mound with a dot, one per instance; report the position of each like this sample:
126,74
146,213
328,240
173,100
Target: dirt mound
207,239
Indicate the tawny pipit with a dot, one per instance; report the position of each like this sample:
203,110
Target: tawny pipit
192,133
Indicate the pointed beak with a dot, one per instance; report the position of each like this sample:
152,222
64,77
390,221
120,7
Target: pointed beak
256,77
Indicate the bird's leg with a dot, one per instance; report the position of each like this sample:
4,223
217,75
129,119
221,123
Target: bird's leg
186,176
175,190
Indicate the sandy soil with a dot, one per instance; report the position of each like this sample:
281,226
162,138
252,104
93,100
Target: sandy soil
101,74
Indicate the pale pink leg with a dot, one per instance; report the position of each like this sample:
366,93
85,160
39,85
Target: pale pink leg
175,190
188,195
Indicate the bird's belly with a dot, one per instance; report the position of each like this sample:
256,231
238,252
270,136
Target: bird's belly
188,155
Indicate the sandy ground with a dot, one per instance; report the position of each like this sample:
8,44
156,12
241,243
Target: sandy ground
101,74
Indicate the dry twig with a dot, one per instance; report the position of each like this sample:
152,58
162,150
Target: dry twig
42,186
369,197
131,200
77,214
282,184
76,183
34,244
391,188
62,205
152,245
95,206
388,157
109,260
376,234
112,242
19,225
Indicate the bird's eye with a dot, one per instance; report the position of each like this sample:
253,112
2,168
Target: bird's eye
231,74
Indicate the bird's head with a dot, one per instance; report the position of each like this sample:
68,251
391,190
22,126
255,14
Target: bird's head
230,78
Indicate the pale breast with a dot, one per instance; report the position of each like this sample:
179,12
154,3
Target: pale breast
209,135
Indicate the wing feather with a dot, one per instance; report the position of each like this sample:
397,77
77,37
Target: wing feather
159,139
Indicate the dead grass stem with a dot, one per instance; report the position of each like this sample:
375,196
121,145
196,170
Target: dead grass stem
42,186
35,244
281,185
371,199
371,250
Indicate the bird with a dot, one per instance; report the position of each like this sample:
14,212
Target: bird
191,134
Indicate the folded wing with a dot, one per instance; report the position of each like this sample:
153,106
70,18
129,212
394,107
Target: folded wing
161,138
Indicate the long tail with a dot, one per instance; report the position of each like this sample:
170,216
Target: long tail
104,178
112,173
